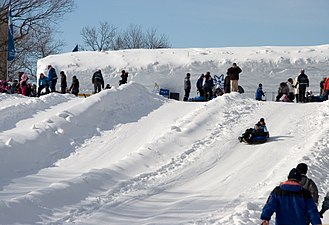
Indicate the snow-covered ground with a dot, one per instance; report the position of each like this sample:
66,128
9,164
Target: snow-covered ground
129,156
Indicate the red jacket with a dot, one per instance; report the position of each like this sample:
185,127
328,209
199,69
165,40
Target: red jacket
326,85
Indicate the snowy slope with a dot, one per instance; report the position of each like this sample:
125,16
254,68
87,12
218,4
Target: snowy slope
127,156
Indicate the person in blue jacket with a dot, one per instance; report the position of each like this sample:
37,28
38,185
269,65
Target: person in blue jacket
52,78
259,93
292,203
43,83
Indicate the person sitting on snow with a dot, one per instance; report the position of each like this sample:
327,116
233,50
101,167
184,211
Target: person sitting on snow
283,93
250,133
263,125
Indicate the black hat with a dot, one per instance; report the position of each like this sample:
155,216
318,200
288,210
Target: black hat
294,174
262,120
302,167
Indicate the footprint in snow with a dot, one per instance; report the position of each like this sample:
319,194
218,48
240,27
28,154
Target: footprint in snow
175,128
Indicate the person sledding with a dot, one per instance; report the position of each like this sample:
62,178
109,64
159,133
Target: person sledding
258,134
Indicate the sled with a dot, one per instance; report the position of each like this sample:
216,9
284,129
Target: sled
255,140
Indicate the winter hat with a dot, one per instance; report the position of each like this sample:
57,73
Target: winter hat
260,85
302,167
294,174
262,120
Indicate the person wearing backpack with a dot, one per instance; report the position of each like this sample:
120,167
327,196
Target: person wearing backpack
98,81
52,78
308,183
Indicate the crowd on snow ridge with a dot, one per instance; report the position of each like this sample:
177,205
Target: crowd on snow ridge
206,88
287,91
296,90
47,84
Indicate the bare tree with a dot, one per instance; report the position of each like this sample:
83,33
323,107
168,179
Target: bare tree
106,37
101,38
154,41
32,21
34,46
133,37
118,43
29,15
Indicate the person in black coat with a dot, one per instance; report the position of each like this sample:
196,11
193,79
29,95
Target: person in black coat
187,86
234,72
199,85
124,77
98,81
74,89
227,84
303,82
63,82
208,86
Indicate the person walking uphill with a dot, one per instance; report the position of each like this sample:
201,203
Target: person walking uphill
292,203
303,82
234,72
52,78
98,81
187,87
308,183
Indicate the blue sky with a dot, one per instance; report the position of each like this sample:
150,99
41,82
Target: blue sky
208,23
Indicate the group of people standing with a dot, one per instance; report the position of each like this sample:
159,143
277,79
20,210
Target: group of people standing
98,80
205,83
295,90
50,81
47,83
290,90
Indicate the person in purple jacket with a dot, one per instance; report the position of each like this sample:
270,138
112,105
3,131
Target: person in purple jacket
292,203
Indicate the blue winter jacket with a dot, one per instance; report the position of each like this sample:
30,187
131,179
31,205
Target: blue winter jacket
292,204
43,81
52,74
259,93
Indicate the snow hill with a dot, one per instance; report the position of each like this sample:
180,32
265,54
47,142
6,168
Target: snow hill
167,67
129,156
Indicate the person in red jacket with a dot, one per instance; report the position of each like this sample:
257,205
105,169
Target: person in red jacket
326,89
